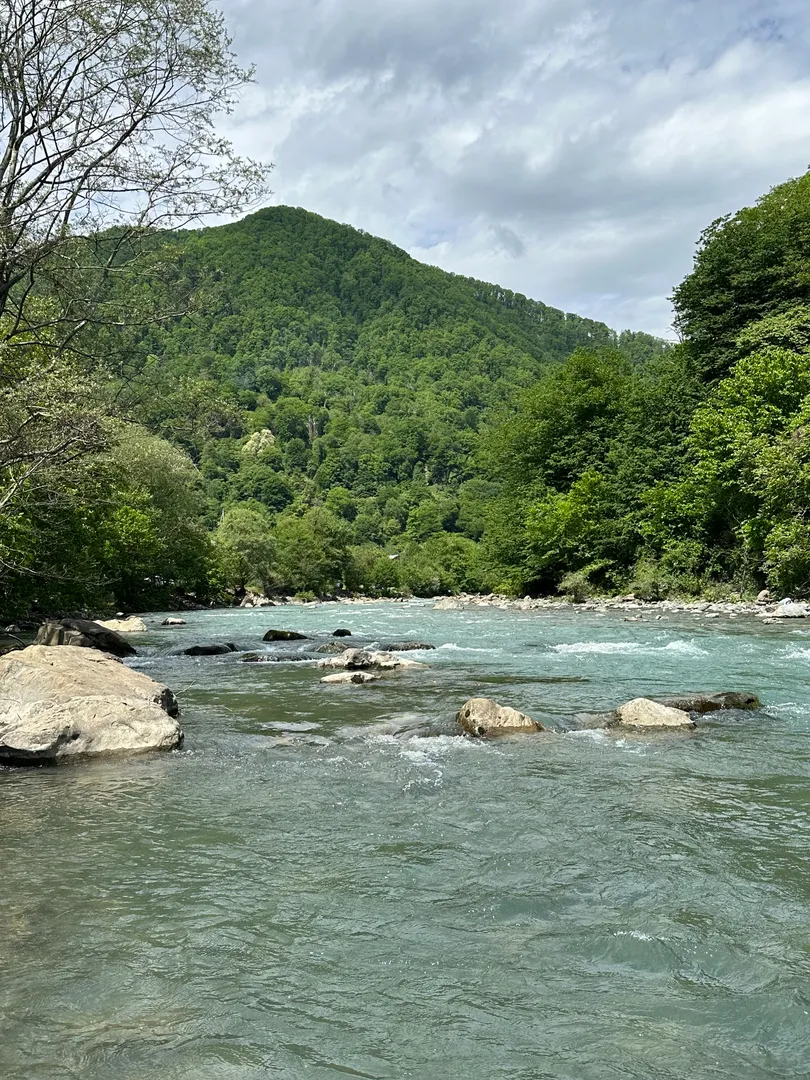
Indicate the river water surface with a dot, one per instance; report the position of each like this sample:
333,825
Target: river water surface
327,882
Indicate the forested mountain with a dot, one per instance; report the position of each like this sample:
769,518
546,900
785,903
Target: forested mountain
325,370
303,408
365,364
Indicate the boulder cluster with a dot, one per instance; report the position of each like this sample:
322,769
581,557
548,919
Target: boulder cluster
60,703
485,718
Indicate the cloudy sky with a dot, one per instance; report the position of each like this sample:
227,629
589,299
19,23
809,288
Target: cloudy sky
570,151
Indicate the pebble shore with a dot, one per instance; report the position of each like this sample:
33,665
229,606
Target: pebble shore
634,608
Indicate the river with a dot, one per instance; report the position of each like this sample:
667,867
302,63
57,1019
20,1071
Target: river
326,881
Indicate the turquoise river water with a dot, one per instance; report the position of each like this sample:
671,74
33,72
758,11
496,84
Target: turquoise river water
326,881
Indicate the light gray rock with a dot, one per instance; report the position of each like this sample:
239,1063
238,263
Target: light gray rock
484,718
51,731
350,677
643,713
132,625
58,703
363,659
173,622
791,609
84,634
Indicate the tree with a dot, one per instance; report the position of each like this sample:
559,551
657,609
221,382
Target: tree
245,551
154,541
106,129
748,265
741,506
106,132
312,553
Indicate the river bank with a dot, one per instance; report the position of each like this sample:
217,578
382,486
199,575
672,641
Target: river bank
637,608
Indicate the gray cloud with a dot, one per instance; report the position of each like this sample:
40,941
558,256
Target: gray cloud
569,151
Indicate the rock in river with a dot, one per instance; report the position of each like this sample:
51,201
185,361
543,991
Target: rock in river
350,677
643,713
210,650
284,635
704,703
360,659
132,625
58,703
85,634
340,632
408,646
483,717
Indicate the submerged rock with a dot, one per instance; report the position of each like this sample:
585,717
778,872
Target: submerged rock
210,650
484,717
704,703
333,647
284,635
408,646
58,703
132,625
276,658
589,721
350,677
84,634
643,713
173,622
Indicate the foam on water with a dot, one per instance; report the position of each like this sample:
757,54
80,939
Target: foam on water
630,648
451,646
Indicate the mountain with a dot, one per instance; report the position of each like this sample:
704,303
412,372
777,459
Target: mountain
368,367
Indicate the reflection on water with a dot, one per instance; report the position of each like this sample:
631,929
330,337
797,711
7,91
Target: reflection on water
327,881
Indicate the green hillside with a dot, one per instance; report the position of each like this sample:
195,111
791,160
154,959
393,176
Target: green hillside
322,368
339,341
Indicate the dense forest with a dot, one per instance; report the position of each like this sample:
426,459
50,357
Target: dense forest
302,408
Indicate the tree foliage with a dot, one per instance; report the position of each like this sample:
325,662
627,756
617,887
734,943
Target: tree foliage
748,265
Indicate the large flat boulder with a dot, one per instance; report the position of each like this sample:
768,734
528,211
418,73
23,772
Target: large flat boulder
51,731
85,634
651,715
58,703
484,718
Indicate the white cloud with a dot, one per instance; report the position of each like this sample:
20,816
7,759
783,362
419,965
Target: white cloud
570,151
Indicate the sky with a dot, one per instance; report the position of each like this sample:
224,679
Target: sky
569,151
